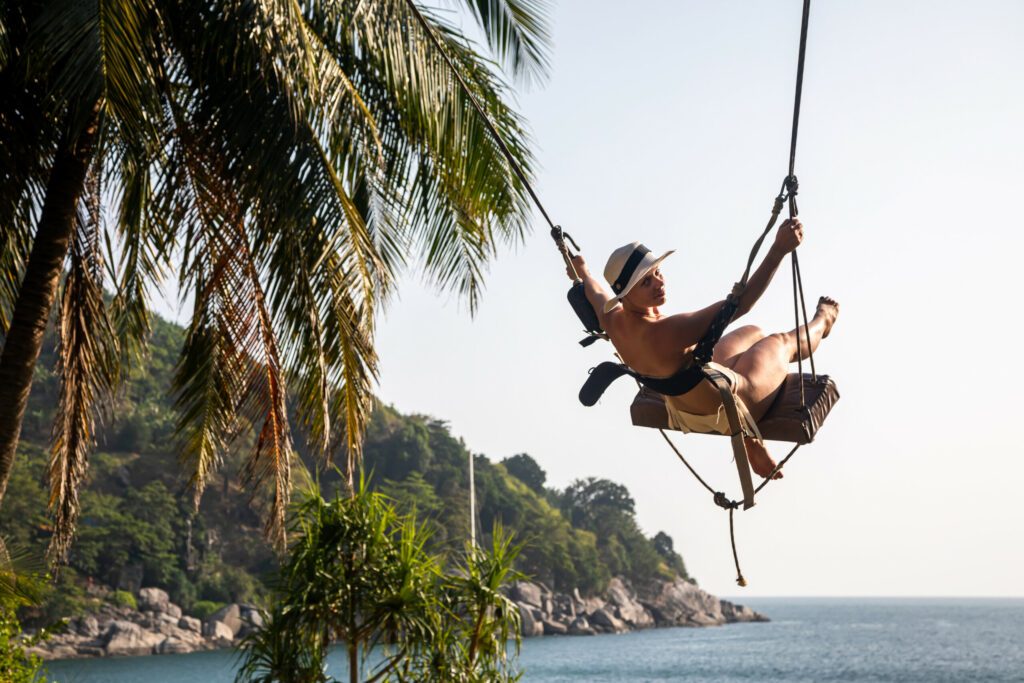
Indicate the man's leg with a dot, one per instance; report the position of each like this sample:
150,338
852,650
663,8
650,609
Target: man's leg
763,367
730,346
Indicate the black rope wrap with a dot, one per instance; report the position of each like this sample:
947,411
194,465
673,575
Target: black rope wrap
706,346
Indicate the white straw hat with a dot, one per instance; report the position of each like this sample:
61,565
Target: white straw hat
627,266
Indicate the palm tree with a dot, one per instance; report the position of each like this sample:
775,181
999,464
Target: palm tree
358,572
284,158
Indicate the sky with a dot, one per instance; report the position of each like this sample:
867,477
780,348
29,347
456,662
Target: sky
668,123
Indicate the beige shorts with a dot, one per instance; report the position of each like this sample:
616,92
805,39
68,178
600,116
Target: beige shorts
716,423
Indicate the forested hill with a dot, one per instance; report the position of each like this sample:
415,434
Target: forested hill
137,528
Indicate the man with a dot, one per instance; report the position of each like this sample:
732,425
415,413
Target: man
659,345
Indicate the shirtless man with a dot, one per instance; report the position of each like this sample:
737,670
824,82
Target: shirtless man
657,345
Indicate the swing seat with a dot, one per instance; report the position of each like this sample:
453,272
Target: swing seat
786,419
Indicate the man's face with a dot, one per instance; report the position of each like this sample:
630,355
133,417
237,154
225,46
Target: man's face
650,291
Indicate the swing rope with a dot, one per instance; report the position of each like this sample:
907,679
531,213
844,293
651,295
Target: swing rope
787,193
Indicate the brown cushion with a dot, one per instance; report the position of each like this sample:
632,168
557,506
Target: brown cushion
786,420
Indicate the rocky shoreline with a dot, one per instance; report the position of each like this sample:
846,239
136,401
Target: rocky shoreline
664,604
158,626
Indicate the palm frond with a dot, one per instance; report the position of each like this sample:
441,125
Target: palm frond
87,365
517,32
21,576
463,200
28,139
249,382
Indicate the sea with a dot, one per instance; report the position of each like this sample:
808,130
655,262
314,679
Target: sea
808,639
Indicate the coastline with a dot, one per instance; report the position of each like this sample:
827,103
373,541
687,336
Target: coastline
159,626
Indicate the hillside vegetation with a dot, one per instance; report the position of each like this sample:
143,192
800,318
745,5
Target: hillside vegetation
138,527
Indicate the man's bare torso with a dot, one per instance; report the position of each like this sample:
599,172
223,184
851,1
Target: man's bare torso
644,344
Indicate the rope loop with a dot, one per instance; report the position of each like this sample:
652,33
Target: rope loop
723,502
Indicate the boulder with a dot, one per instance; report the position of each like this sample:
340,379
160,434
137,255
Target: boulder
554,628
153,600
190,624
605,621
528,625
231,615
123,638
252,616
681,603
173,610
219,632
524,591
88,626
174,646
626,606
564,609
581,627
739,613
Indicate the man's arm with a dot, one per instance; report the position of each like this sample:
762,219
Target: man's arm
683,330
788,238
597,295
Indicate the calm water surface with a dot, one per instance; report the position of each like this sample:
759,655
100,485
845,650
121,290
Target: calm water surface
812,639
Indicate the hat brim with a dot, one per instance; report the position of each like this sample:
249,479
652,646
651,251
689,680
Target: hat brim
639,274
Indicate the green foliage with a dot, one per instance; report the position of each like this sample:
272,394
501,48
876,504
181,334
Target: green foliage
16,665
525,469
20,586
138,529
124,599
359,572
202,609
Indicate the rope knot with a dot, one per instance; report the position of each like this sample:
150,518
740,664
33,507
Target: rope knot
724,503
792,185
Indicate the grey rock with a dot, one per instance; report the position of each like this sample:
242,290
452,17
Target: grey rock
173,646
173,610
252,616
231,615
739,613
605,621
681,603
626,606
62,652
124,638
564,608
524,591
153,600
554,628
219,632
529,626
88,626
190,624
581,627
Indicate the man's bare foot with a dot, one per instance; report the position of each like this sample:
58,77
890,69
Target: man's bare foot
828,310
760,460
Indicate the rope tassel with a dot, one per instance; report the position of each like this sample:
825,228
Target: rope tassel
742,582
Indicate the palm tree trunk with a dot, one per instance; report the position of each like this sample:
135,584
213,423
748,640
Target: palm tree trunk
39,287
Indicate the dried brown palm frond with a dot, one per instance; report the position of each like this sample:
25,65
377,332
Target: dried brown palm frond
87,366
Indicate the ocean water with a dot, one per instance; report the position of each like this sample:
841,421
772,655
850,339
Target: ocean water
808,639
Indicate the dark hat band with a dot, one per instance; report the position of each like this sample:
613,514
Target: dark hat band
627,270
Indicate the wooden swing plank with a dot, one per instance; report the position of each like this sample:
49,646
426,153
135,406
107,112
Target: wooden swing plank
786,420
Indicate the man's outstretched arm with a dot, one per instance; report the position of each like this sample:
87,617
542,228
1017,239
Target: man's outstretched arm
788,238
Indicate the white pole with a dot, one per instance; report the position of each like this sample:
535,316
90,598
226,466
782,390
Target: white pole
472,504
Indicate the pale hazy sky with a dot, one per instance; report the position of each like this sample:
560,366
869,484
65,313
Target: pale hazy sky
668,122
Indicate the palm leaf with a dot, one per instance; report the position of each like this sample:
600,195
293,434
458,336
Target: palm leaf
87,366
517,33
